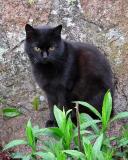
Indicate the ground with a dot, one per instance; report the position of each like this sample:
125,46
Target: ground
102,23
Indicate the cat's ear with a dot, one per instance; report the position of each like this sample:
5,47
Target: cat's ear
57,30
30,31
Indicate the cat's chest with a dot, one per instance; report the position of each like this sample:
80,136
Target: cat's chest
50,80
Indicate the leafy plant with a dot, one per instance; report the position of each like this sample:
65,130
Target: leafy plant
8,111
30,141
64,142
65,129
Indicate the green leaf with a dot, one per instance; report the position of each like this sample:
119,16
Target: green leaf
88,124
86,118
14,143
68,134
30,135
98,143
87,105
27,157
36,103
10,112
60,117
88,149
75,154
100,156
120,116
45,156
70,110
123,142
54,132
81,133
17,155
39,131
106,109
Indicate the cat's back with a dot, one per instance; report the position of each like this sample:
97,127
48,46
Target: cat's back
86,49
90,55
91,62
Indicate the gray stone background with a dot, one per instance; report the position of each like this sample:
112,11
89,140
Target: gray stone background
103,23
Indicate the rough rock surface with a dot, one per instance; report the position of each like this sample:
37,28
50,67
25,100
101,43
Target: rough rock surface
17,85
100,23
112,17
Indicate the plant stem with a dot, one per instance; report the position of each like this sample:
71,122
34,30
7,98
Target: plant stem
78,125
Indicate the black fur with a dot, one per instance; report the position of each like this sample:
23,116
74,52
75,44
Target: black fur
73,71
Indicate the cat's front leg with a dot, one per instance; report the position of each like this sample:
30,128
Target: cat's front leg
51,102
63,99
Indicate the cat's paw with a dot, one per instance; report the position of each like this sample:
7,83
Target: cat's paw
49,123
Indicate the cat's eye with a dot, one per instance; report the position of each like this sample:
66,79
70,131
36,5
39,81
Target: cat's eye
37,49
52,48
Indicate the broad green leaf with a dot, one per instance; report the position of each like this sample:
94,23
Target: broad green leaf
90,107
60,117
55,132
75,154
70,110
106,109
108,155
17,155
100,156
120,116
88,124
86,118
88,149
27,157
98,143
68,134
123,142
39,131
10,112
14,143
45,156
30,135
81,133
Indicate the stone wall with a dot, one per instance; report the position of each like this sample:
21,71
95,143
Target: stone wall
100,22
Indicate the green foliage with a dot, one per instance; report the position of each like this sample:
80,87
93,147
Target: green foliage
36,103
14,143
95,142
10,112
106,110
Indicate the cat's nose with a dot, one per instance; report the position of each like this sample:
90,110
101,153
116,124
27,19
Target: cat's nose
45,55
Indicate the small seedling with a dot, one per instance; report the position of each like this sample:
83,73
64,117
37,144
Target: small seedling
36,103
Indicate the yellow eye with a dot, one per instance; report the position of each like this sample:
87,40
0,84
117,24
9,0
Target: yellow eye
37,49
52,48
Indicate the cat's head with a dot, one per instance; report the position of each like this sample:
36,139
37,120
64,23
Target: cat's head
43,44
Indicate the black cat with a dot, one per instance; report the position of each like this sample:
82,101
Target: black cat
67,71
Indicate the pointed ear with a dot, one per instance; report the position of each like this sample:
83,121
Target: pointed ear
30,31
57,30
